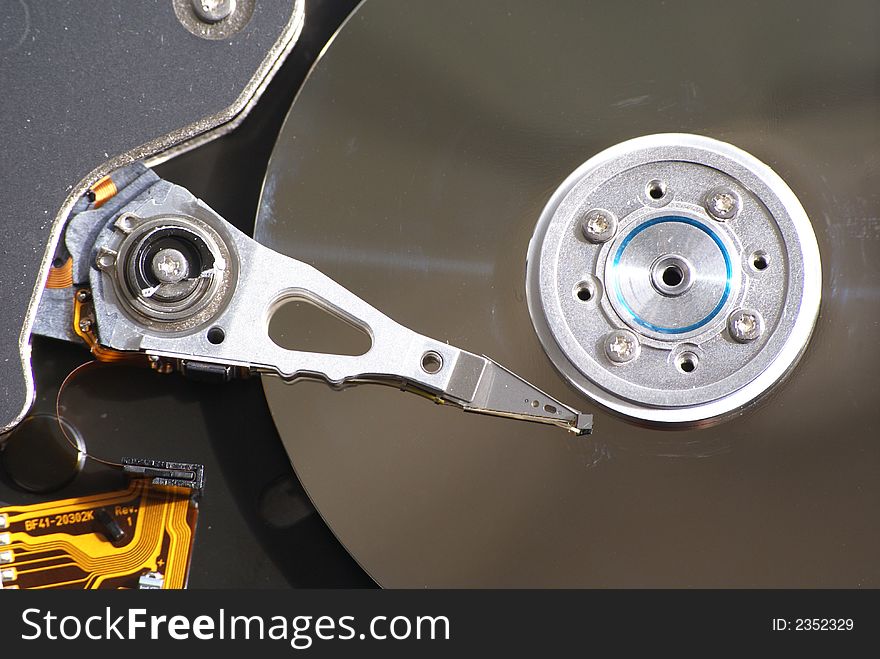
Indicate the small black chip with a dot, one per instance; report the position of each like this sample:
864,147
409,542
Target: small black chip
169,474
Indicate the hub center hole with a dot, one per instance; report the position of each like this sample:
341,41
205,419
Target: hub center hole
672,275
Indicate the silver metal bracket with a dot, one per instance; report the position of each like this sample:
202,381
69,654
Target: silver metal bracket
173,279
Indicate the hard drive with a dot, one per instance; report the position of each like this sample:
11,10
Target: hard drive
652,225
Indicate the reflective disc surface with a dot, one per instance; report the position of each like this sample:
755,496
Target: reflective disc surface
413,168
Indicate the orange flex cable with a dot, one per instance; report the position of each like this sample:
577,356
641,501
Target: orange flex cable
84,329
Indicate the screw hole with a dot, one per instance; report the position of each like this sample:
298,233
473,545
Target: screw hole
216,335
760,261
672,275
687,362
584,292
432,362
656,189
535,403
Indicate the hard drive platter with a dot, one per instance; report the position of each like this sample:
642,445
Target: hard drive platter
414,166
654,225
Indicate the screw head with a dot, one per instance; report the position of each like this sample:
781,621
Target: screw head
722,204
599,225
170,266
213,11
745,325
85,325
622,346
82,295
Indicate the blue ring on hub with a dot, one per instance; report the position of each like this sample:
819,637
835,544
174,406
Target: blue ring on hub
681,220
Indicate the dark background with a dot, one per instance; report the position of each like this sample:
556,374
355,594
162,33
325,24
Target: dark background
257,527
